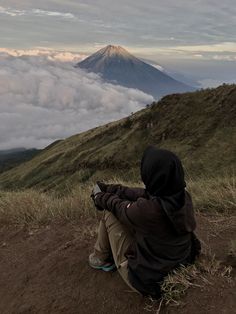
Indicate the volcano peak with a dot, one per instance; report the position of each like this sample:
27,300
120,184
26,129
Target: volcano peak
112,50
117,66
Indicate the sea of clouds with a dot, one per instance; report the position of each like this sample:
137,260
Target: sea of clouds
44,98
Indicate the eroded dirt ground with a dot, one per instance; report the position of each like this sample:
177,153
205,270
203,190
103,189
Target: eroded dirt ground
45,270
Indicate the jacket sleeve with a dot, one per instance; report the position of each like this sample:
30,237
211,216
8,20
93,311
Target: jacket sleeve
124,192
124,210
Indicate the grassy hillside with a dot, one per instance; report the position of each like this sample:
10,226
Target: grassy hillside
42,233
199,127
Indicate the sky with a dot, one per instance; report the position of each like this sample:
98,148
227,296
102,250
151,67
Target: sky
40,41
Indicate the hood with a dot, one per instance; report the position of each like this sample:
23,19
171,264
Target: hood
163,175
162,172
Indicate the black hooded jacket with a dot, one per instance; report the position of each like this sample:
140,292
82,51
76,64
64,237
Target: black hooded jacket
160,217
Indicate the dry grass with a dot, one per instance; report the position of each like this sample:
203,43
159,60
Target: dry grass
214,194
29,206
197,275
32,206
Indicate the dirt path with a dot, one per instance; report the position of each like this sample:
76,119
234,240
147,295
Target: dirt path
45,270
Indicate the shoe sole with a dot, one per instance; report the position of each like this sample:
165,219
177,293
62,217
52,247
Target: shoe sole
104,268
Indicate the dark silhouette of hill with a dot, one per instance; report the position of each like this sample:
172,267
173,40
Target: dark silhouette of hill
13,157
12,150
199,127
118,66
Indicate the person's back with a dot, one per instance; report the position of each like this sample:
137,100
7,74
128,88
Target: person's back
158,248
160,219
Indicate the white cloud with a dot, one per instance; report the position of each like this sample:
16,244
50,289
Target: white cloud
198,55
53,55
11,12
52,13
190,51
157,66
37,12
43,99
225,57
220,47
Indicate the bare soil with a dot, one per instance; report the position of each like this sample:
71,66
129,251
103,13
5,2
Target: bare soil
45,270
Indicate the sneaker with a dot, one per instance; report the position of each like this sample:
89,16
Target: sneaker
96,263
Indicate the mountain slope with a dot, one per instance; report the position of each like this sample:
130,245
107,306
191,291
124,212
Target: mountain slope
199,126
14,157
118,66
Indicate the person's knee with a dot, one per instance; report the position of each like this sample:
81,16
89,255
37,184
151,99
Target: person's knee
107,213
109,219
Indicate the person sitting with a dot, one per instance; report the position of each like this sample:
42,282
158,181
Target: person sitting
146,232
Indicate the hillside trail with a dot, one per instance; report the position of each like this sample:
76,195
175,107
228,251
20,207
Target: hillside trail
45,270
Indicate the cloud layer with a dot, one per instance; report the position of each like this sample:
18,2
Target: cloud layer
43,99
134,23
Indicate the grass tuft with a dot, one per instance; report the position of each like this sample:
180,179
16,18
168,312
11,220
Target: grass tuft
177,284
198,275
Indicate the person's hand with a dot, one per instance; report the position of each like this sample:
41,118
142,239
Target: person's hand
96,190
103,186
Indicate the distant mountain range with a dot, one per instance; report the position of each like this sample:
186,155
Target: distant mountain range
116,65
12,150
11,158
